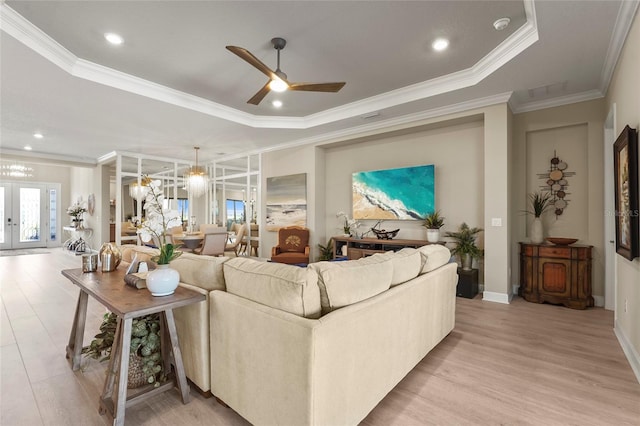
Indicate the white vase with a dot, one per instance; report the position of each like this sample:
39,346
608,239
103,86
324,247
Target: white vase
537,231
433,235
163,280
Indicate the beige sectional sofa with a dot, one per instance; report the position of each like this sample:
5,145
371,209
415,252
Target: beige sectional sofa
312,346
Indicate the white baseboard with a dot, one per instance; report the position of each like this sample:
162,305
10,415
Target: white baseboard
491,296
629,351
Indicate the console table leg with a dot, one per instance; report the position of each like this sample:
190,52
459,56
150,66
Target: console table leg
74,348
181,379
123,347
112,369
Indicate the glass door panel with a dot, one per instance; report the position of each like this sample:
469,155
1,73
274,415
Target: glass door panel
23,214
30,215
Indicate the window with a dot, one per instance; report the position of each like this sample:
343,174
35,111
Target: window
235,212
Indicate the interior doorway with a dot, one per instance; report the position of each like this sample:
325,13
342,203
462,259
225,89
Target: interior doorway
29,215
609,216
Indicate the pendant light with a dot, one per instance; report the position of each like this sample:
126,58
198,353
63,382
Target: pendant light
139,191
196,180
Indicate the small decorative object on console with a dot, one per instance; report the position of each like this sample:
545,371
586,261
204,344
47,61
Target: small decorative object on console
559,241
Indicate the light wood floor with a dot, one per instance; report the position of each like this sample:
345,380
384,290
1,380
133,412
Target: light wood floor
517,364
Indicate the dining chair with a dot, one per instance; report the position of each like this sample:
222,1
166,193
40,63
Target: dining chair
214,243
238,245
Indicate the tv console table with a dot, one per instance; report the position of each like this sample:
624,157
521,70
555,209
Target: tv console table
361,247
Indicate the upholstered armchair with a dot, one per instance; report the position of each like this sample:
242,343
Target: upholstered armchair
293,246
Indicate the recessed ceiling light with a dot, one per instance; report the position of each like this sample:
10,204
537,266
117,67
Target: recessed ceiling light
440,44
28,148
114,38
276,103
38,135
501,24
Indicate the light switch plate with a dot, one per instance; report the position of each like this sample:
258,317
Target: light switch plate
496,221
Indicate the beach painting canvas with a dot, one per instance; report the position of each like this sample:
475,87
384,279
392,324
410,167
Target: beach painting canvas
406,193
286,201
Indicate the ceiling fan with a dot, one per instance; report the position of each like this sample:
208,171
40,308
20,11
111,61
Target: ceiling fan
277,79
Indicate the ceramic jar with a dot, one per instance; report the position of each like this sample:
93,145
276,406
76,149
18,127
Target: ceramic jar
163,280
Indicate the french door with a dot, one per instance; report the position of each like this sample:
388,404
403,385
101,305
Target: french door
29,215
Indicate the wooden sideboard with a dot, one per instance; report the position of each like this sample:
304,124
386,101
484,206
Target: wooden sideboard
556,274
362,247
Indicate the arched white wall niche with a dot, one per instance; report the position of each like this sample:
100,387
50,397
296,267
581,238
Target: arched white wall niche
130,168
236,195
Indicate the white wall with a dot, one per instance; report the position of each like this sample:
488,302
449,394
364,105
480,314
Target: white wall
624,92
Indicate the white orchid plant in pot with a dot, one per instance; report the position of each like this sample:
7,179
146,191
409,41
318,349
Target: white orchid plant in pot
162,281
157,222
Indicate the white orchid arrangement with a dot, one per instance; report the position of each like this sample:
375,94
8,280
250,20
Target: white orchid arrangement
349,224
157,222
76,210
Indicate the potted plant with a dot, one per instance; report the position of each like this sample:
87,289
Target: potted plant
539,202
433,222
145,360
326,252
466,248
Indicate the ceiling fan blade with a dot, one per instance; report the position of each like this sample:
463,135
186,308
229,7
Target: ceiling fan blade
257,63
259,96
316,87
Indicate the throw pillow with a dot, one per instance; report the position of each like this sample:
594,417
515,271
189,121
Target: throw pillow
434,256
285,287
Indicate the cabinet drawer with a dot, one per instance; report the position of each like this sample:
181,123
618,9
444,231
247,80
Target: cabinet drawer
560,252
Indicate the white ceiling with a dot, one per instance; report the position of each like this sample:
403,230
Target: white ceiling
172,85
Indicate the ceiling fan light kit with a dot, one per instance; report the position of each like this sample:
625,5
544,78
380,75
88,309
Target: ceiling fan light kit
277,79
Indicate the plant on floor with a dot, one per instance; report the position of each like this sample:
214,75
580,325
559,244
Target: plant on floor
465,244
326,252
145,344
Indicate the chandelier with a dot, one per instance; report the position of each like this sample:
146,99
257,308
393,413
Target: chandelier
196,180
16,170
139,191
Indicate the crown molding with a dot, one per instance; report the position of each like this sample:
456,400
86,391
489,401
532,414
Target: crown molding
32,37
623,24
555,102
12,23
54,158
383,126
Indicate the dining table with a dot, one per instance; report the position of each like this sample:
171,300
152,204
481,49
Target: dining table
189,241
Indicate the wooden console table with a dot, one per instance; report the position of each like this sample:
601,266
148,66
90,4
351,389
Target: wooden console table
127,303
556,274
361,247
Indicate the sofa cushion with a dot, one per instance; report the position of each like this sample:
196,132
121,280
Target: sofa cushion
285,287
201,271
407,264
434,256
345,283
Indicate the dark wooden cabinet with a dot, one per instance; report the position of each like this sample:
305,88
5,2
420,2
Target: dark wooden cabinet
362,247
556,274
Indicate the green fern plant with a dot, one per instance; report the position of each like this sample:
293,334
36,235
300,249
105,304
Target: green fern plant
326,252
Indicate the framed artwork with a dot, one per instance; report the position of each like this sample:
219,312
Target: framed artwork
406,193
625,162
286,201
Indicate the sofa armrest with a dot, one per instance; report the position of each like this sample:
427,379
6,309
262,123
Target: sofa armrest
261,360
192,324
